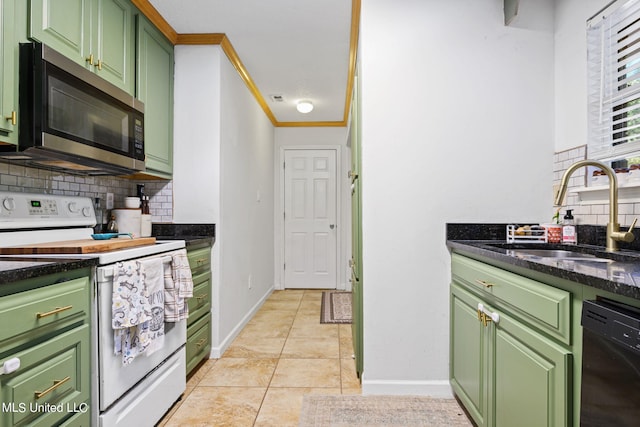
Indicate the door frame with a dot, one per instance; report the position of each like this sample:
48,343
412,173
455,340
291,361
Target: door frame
340,285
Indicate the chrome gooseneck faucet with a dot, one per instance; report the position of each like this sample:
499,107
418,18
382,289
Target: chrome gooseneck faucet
614,235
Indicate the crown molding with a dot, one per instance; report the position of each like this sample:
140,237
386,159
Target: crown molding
221,39
154,16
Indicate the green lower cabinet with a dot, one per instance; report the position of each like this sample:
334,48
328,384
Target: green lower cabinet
199,322
198,341
52,383
44,324
468,354
531,377
504,372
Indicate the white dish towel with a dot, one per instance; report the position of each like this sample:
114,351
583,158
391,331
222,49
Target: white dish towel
178,285
154,281
130,309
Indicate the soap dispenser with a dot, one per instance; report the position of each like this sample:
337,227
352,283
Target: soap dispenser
112,226
569,235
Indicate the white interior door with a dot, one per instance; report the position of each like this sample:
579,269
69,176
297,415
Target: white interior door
310,227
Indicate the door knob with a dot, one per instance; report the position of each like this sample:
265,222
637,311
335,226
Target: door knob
332,226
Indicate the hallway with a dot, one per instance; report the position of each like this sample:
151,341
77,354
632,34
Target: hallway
282,354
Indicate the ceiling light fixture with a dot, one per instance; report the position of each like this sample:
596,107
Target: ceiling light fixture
304,107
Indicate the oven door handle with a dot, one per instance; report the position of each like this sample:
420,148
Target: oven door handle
106,273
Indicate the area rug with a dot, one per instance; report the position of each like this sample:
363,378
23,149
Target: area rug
380,411
336,307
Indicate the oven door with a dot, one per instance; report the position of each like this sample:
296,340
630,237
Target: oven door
115,379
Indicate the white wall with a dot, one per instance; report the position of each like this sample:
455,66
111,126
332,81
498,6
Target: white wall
223,158
246,202
317,137
457,126
197,134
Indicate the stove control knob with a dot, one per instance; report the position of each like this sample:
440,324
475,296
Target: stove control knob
86,211
9,204
72,207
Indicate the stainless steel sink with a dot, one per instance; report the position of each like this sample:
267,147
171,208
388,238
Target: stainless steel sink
557,254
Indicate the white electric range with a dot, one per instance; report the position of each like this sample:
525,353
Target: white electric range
142,391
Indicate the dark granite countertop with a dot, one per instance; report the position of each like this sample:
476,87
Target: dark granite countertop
191,241
14,269
194,235
620,276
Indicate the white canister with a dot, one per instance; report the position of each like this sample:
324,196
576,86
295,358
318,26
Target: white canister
128,220
145,225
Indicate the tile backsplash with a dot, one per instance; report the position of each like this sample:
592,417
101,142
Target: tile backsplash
18,178
14,177
592,214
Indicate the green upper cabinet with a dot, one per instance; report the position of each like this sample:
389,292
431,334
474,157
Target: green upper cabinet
115,45
97,34
8,74
154,87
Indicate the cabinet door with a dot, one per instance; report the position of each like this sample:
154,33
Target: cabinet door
530,378
64,25
114,43
357,281
8,76
52,372
154,87
468,354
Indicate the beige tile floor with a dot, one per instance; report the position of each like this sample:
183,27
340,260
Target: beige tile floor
282,354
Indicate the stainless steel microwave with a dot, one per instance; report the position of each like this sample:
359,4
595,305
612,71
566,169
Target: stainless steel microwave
74,120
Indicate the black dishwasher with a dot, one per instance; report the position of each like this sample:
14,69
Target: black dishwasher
610,364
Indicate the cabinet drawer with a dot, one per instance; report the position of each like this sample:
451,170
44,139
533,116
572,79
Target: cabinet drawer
44,309
82,417
52,382
200,303
198,341
199,260
541,305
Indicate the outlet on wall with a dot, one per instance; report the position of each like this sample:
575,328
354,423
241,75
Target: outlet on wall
109,204
250,281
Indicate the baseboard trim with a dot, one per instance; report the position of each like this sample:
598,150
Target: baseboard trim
439,389
218,351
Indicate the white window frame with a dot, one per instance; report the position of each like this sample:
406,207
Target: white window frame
614,81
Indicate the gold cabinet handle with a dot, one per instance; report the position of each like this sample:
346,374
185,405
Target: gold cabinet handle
56,384
54,311
484,283
13,118
201,261
99,64
90,59
201,297
486,316
201,342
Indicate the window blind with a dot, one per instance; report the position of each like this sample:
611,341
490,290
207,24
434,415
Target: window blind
613,62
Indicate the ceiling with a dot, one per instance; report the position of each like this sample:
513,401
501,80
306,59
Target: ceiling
296,49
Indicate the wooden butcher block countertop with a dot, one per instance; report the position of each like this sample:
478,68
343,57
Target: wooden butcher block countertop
84,246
